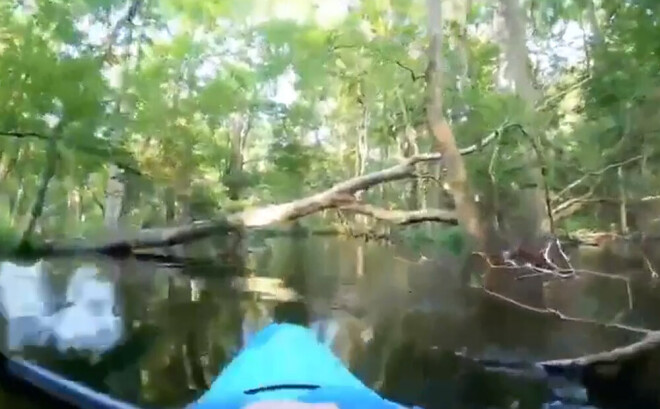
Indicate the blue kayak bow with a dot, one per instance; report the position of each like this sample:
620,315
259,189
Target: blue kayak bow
285,362
282,362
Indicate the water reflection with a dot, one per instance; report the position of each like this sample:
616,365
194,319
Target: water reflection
88,321
397,323
36,314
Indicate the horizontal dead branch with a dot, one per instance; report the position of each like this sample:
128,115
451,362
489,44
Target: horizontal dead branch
616,200
402,217
599,238
101,150
19,135
598,172
571,206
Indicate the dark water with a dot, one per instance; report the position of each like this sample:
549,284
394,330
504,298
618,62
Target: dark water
157,335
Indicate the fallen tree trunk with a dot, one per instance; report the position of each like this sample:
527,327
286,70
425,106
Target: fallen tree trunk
337,196
341,195
624,377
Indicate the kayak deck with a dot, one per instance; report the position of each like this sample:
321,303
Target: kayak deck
285,362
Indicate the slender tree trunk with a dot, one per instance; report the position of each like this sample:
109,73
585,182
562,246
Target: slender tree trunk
240,129
73,206
592,18
170,204
114,196
385,154
15,206
462,48
456,174
623,207
115,188
409,147
46,176
515,68
362,149
515,74
359,260
8,162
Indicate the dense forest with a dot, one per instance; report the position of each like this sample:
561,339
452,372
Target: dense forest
496,131
507,117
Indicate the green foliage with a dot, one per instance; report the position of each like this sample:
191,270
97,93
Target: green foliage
172,107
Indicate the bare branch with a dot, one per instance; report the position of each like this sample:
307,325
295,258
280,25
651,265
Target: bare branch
571,206
413,75
96,147
337,196
17,134
559,315
126,20
649,343
596,173
403,217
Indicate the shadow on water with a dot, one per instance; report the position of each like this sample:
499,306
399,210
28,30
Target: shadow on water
156,334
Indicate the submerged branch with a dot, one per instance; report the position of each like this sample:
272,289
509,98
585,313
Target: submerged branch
650,342
559,315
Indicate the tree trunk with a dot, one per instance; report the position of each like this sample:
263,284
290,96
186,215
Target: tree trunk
461,46
39,201
592,18
623,207
408,147
115,189
456,174
384,155
8,162
239,128
362,148
515,68
515,75
15,205
74,209
114,196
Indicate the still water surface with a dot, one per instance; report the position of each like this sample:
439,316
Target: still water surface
157,335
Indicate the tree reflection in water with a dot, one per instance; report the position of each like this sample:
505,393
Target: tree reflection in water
407,329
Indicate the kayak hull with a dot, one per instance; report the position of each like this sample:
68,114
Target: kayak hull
285,362
282,362
42,384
